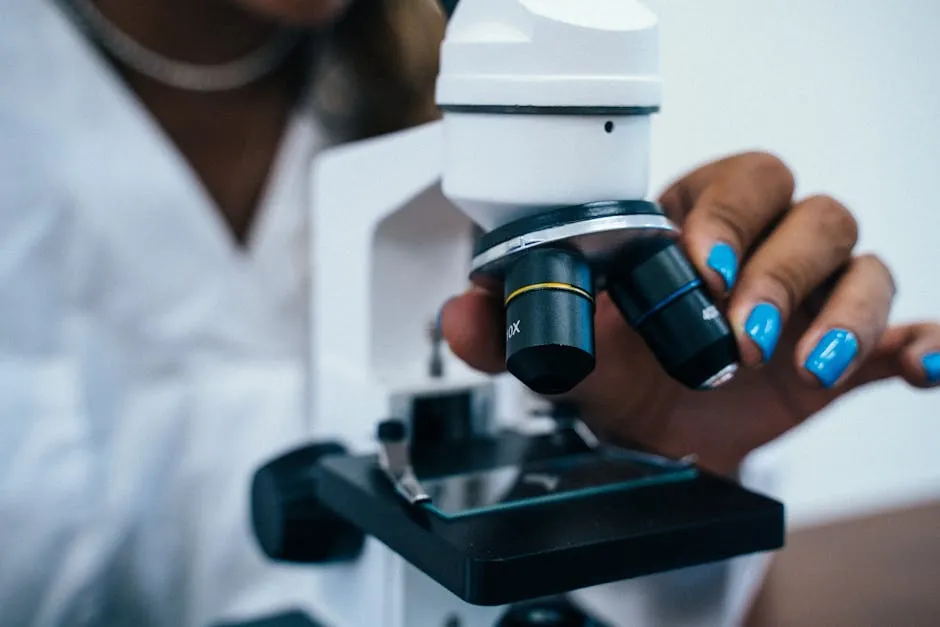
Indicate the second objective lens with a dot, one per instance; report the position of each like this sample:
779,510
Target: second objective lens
658,291
550,320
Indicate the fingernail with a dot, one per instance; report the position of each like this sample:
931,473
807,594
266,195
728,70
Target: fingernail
832,356
764,326
932,367
724,261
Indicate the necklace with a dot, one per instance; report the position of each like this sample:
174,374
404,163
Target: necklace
201,78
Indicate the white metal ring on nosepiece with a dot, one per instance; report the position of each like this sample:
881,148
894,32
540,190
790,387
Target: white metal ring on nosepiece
591,237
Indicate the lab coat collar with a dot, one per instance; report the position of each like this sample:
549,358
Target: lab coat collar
169,252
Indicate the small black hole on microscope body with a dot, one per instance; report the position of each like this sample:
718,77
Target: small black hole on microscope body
609,127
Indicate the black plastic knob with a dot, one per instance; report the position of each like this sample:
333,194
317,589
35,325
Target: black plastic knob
392,430
548,613
290,523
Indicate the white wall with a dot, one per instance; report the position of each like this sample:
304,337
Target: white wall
848,92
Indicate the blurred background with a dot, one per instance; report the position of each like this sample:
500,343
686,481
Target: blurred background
848,93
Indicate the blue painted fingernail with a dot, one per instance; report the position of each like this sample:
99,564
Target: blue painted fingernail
832,356
724,261
764,326
932,367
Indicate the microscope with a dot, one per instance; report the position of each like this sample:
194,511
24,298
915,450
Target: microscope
433,495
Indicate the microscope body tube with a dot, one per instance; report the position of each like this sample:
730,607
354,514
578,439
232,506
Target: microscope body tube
546,104
503,167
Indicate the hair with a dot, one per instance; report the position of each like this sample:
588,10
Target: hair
379,66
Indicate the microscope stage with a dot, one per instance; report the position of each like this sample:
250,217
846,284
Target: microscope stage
593,517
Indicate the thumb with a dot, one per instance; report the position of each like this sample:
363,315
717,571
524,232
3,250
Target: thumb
472,325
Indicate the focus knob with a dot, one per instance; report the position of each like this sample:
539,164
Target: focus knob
289,521
549,613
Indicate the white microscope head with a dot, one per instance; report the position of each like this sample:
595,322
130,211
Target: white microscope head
546,103
547,108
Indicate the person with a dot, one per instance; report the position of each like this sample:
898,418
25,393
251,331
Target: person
152,333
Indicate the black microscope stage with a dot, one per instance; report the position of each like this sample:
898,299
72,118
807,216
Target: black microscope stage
515,517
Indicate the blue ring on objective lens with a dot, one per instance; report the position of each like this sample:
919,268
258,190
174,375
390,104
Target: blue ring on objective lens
679,293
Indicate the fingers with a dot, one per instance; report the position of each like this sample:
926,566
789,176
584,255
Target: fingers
810,244
728,206
850,325
909,351
472,324
920,358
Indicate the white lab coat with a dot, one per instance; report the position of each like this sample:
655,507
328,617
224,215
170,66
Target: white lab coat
147,365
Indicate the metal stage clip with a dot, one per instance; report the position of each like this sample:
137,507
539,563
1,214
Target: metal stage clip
395,461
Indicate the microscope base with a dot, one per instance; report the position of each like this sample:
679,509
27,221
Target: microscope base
532,548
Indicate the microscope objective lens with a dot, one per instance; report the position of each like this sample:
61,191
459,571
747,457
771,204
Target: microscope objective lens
549,303
662,297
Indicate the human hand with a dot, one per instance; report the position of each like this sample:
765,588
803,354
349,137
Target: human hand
810,317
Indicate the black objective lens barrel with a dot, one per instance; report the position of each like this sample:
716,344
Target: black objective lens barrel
550,320
660,294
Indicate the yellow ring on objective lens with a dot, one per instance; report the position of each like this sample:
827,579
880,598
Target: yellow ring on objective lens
549,286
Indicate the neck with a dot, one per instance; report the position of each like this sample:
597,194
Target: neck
229,138
194,31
